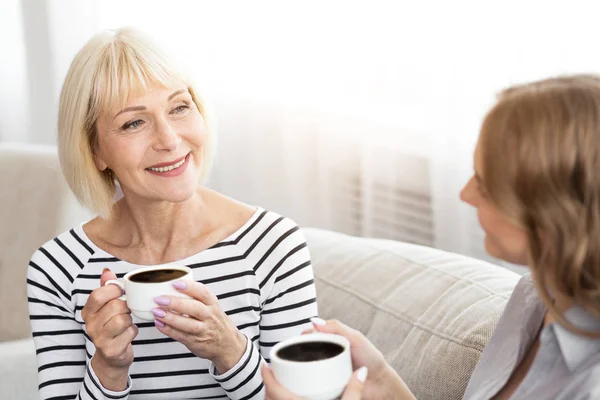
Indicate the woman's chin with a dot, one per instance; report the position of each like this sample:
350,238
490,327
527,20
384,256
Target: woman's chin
512,257
180,196
492,249
177,191
175,194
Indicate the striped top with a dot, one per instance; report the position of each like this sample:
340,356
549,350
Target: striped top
261,275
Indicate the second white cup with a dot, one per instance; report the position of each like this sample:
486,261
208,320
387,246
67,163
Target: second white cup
316,366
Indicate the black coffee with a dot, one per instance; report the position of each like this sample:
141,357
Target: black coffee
159,275
310,351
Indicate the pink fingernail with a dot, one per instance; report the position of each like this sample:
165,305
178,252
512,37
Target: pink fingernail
163,301
159,313
159,324
180,285
318,321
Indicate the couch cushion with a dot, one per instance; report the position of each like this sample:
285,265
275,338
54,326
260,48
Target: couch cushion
430,312
18,370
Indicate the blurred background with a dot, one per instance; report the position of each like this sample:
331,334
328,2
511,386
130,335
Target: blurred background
359,117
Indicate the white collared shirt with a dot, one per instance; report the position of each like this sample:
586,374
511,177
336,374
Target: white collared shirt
566,366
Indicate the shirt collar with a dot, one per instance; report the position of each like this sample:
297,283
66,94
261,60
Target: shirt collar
576,349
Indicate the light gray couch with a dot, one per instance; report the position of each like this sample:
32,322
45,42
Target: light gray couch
430,312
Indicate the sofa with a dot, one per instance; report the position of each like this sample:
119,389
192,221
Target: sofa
430,312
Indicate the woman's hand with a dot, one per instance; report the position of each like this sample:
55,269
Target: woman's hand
274,391
383,382
108,323
201,325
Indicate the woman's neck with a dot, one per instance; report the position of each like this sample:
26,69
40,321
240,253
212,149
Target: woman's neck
562,304
157,226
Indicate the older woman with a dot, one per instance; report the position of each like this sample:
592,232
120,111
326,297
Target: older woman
537,194
130,119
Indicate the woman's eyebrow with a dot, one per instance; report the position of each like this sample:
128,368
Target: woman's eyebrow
134,108
142,108
175,93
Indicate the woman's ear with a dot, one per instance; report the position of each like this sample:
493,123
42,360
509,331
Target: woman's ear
99,161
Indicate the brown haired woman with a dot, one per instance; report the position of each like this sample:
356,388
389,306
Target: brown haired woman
536,188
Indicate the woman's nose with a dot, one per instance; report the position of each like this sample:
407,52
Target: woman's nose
166,137
467,194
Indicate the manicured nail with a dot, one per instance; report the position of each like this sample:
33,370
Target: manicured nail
159,324
159,313
362,373
105,269
318,321
163,301
180,285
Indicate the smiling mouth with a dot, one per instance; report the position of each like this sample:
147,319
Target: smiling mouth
167,168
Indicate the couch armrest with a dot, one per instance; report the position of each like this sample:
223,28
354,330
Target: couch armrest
36,206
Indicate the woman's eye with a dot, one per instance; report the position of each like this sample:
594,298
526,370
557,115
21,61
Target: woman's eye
180,109
133,125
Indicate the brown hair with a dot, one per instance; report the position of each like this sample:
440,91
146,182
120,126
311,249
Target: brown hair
540,147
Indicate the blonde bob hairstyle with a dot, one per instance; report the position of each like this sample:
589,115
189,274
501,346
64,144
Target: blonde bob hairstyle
107,71
540,147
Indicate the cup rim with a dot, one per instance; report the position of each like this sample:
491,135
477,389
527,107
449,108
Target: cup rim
183,268
310,337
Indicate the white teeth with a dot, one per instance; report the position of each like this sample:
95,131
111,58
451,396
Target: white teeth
169,168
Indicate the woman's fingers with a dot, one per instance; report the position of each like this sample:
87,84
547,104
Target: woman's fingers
333,326
118,324
183,329
111,309
99,298
273,390
196,290
184,306
355,386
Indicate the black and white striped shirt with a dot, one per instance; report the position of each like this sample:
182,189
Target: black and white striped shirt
261,275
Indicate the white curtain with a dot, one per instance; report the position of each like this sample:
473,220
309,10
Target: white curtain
355,116
14,123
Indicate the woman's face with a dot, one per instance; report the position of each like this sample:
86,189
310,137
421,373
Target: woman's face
153,145
503,239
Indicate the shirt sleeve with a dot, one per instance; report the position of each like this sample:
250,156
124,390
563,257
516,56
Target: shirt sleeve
63,370
288,303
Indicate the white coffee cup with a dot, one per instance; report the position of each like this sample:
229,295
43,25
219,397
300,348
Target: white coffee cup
140,295
323,379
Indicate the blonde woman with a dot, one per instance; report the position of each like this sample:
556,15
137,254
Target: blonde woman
536,188
129,117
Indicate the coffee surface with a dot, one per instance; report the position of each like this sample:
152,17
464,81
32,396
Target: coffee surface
310,351
159,275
